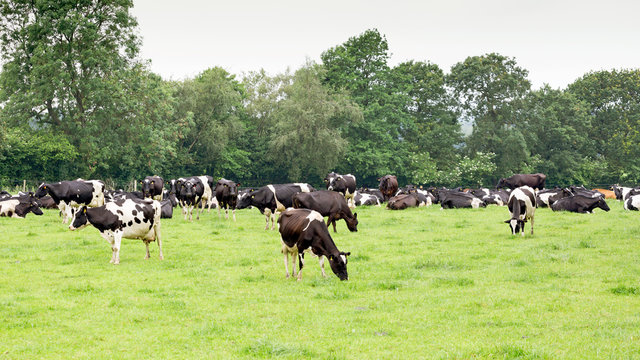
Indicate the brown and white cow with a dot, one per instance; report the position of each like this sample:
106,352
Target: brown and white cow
522,207
130,219
304,230
327,203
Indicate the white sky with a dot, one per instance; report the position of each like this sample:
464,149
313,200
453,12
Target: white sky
557,41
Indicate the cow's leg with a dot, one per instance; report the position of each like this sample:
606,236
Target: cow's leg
273,220
321,260
300,265
233,211
267,215
107,235
158,240
219,206
146,244
531,225
285,251
226,212
117,240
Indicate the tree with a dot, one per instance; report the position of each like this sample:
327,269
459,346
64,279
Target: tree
306,140
613,98
490,89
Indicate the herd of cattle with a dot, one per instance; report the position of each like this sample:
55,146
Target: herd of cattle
119,214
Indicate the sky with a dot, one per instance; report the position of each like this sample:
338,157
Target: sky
556,41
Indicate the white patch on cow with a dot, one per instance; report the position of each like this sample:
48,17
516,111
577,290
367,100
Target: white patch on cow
513,223
625,191
545,197
313,216
304,187
279,206
632,201
475,203
520,194
9,206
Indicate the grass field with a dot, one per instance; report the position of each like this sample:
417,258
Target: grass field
423,283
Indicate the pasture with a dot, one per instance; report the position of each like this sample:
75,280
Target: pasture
423,283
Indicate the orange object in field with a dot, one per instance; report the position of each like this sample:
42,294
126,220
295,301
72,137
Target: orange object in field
608,194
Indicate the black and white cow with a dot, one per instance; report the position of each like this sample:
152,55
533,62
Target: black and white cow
190,195
272,199
403,201
497,197
361,199
622,192
4,194
152,187
19,206
535,181
166,207
304,230
130,219
580,204
226,193
453,199
546,197
69,195
632,203
522,208
344,184
327,203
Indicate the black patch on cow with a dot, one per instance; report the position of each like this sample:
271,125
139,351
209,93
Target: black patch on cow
138,207
10,213
137,220
120,212
133,212
145,219
130,222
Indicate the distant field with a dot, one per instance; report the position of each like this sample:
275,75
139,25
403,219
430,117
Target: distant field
423,283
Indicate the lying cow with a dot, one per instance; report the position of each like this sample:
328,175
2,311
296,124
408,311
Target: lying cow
580,204
327,203
546,197
522,207
632,203
19,206
360,199
119,219
403,201
455,199
304,230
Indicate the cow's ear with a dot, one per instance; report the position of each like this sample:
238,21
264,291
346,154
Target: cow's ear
355,215
330,257
84,209
507,221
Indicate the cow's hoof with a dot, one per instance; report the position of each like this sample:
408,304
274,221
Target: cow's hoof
161,257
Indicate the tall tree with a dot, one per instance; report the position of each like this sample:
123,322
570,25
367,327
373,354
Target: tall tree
378,144
306,140
490,89
613,98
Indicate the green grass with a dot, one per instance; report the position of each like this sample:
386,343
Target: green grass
423,283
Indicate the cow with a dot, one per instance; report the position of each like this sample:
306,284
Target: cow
580,204
608,194
546,197
113,195
360,199
375,192
522,207
272,199
403,201
152,187
632,203
226,193
190,195
46,202
535,181
497,197
327,203
130,219
19,206
388,186
581,190
166,207
453,199
4,195
621,192
69,195
344,184
304,230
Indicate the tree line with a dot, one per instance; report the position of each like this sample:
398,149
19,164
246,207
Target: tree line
76,100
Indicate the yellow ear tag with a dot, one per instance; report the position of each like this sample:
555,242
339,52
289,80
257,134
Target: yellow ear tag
84,210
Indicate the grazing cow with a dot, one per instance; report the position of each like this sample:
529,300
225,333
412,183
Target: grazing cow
344,184
226,193
130,219
403,201
360,199
453,199
273,199
72,194
535,181
152,187
522,207
580,204
327,203
388,186
632,203
19,206
303,230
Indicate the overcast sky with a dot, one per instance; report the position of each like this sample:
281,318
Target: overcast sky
556,41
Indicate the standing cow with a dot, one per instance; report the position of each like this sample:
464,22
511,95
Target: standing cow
69,195
522,207
226,193
344,184
388,186
535,181
303,230
152,187
273,199
327,203
130,219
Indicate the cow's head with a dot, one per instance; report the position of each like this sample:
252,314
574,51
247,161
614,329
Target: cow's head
34,205
245,199
79,219
501,183
603,204
329,179
339,265
516,225
42,190
352,224
147,185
